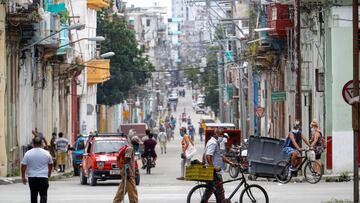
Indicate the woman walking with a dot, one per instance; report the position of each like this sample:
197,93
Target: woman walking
185,142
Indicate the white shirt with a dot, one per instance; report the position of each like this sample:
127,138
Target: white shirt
37,161
213,149
223,144
162,137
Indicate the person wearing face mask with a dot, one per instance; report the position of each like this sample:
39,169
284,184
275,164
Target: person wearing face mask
315,139
292,145
213,157
185,142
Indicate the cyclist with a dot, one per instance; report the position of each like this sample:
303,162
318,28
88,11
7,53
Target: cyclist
292,145
213,157
149,150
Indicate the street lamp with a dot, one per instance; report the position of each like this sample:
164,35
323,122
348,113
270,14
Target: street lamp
92,39
71,27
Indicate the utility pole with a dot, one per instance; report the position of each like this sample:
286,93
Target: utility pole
220,83
355,106
235,93
298,110
251,99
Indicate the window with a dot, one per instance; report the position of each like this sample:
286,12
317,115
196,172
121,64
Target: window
108,146
274,13
81,145
148,22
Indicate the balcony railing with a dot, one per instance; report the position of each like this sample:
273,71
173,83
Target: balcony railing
98,71
98,4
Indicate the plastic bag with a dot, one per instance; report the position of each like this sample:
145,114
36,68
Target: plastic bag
311,155
190,151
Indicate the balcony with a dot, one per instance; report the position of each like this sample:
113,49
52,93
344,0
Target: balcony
279,19
98,4
98,71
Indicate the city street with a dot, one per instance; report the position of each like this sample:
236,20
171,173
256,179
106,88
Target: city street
162,187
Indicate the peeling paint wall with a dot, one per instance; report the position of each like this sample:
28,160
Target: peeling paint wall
3,155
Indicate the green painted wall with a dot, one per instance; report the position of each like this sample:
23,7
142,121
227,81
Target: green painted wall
341,39
328,77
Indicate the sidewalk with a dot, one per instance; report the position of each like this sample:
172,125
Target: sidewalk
54,176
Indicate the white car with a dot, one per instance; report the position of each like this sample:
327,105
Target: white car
200,108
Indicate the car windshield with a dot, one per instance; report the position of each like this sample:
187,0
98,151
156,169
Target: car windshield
108,146
81,145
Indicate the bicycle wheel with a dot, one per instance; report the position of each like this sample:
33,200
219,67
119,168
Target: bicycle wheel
310,174
282,172
233,171
254,193
202,194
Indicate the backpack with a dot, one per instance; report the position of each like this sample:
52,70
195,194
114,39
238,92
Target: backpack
320,145
121,156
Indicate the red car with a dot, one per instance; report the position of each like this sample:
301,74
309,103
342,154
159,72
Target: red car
99,159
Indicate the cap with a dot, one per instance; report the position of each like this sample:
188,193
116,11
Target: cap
226,135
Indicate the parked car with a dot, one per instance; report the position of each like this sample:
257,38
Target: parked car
78,152
99,160
200,108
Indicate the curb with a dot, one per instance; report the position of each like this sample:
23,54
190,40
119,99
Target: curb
54,177
301,179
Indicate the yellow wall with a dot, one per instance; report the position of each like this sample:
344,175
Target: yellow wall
3,157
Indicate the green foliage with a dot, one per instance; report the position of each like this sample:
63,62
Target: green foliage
342,177
191,75
209,79
64,17
128,67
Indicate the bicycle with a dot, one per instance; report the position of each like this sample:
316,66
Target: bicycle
283,174
207,192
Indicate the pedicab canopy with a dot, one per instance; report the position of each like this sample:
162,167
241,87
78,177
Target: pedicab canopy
229,128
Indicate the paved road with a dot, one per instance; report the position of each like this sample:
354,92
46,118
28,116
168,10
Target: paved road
162,187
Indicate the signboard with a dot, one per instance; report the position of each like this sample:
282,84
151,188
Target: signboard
229,56
347,92
278,96
260,112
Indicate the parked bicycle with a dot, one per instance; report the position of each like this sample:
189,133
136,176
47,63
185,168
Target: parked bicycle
207,193
283,174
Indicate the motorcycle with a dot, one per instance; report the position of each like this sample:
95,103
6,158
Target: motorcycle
149,163
240,155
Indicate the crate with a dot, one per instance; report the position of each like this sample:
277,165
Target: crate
198,172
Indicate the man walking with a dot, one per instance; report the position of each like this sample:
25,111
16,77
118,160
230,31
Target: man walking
213,157
127,183
62,146
38,163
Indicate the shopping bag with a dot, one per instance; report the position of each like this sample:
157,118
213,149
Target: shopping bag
190,151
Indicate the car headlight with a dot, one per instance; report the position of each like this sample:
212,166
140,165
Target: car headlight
100,164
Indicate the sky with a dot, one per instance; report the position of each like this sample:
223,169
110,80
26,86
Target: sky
146,3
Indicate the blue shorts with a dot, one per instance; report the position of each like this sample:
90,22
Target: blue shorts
288,150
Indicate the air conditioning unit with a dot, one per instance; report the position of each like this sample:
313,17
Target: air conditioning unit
19,6
48,26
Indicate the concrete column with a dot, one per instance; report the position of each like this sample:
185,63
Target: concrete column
3,156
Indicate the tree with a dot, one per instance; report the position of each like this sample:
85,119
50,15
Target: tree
128,68
209,79
192,75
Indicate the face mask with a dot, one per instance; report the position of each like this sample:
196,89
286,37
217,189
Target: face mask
182,134
295,131
313,130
